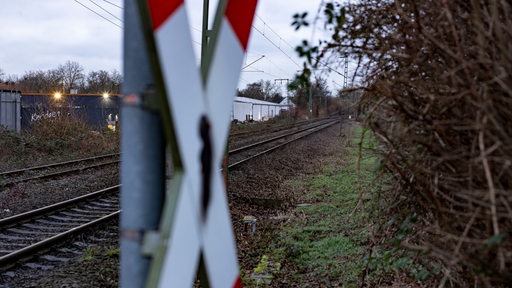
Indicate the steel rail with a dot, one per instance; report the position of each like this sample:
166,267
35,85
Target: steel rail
240,149
265,130
313,130
55,207
49,242
53,165
59,173
54,238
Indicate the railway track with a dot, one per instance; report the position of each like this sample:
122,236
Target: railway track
13,177
29,233
266,129
26,234
239,141
245,153
241,138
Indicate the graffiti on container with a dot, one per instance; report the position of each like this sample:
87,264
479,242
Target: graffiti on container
45,115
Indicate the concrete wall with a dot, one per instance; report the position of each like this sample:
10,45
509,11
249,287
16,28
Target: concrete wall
10,110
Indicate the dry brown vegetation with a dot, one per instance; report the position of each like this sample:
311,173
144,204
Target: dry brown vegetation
437,77
52,140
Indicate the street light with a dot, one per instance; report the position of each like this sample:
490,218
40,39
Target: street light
104,102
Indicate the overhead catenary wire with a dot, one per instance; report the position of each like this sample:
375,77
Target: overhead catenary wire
253,62
262,33
288,44
330,69
275,45
99,6
270,74
278,67
88,8
113,4
261,56
275,33
105,18
281,39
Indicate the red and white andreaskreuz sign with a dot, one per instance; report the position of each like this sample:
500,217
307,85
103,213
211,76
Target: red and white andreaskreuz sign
201,118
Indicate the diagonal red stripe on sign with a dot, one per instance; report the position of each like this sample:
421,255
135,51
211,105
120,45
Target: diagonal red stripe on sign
238,283
240,14
160,10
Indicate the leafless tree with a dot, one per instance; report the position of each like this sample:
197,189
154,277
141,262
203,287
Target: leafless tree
98,82
40,81
262,90
117,80
72,75
102,81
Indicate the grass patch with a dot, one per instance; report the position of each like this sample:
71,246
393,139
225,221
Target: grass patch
101,262
326,243
91,253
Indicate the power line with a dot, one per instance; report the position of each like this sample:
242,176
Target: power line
270,74
331,69
287,43
113,4
97,13
285,72
253,62
241,79
106,11
275,45
273,31
260,56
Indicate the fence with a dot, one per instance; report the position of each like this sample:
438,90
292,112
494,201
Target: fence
18,111
10,110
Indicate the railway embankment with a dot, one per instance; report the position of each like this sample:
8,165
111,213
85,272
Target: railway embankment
320,221
326,236
339,232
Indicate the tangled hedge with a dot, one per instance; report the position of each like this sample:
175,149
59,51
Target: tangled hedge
437,77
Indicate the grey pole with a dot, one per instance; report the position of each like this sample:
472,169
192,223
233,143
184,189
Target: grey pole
287,94
205,33
142,158
310,103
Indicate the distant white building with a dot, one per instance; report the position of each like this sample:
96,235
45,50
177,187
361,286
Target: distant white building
287,102
246,109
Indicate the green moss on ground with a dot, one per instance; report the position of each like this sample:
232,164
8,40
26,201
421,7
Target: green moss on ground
325,242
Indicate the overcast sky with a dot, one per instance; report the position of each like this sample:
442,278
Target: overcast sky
40,35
